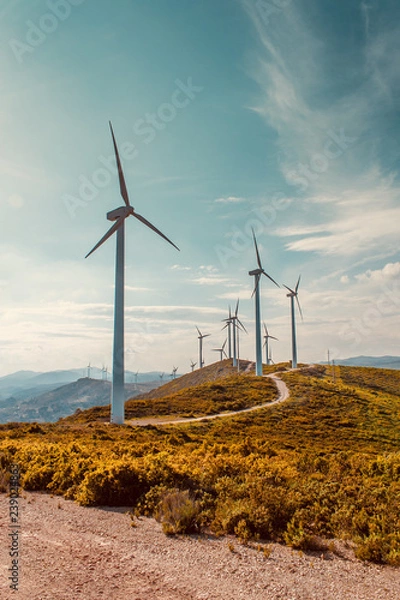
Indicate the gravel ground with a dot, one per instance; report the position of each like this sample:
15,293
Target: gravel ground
71,552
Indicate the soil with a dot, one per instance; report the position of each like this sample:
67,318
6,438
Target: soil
70,552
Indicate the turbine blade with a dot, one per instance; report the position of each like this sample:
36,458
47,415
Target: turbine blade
256,285
225,354
273,338
257,252
146,222
265,329
269,277
198,330
230,313
109,233
290,290
237,308
298,304
242,326
223,345
297,284
122,184
206,335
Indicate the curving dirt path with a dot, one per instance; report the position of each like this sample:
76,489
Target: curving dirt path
283,394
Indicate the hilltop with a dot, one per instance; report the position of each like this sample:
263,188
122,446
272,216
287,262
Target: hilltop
217,387
301,472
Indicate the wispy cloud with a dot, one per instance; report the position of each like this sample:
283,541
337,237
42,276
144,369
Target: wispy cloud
229,200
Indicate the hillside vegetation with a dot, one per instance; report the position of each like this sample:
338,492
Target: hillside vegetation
324,464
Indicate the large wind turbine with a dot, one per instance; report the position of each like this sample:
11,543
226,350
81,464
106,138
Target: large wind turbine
221,351
267,337
119,215
200,338
292,295
256,273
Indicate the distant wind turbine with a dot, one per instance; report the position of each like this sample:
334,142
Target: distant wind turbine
161,377
174,372
136,379
267,337
221,351
256,273
192,365
119,215
292,295
234,322
229,328
88,371
201,338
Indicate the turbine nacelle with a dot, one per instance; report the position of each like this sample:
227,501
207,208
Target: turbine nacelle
120,213
256,272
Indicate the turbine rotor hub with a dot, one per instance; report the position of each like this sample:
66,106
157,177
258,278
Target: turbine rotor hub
121,212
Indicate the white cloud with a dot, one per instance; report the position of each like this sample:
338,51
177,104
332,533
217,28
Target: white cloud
388,272
229,200
180,268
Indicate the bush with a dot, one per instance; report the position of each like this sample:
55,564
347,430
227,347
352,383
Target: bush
118,484
178,512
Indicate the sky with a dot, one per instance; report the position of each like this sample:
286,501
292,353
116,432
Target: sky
280,116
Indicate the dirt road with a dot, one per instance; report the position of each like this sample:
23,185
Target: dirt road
68,552
283,394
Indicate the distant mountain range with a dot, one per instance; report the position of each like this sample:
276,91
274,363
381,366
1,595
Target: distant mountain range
380,362
65,400
33,396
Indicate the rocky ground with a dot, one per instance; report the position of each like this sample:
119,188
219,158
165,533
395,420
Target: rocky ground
68,552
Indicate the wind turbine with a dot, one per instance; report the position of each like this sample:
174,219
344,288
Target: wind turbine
136,378
292,295
201,338
161,377
266,344
235,323
88,371
229,328
192,365
174,372
221,351
119,215
256,273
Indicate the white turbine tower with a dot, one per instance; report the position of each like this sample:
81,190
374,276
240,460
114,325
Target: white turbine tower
292,295
267,337
256,273
119,215
201,338
221,351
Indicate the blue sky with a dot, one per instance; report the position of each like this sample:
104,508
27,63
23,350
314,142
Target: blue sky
281,115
